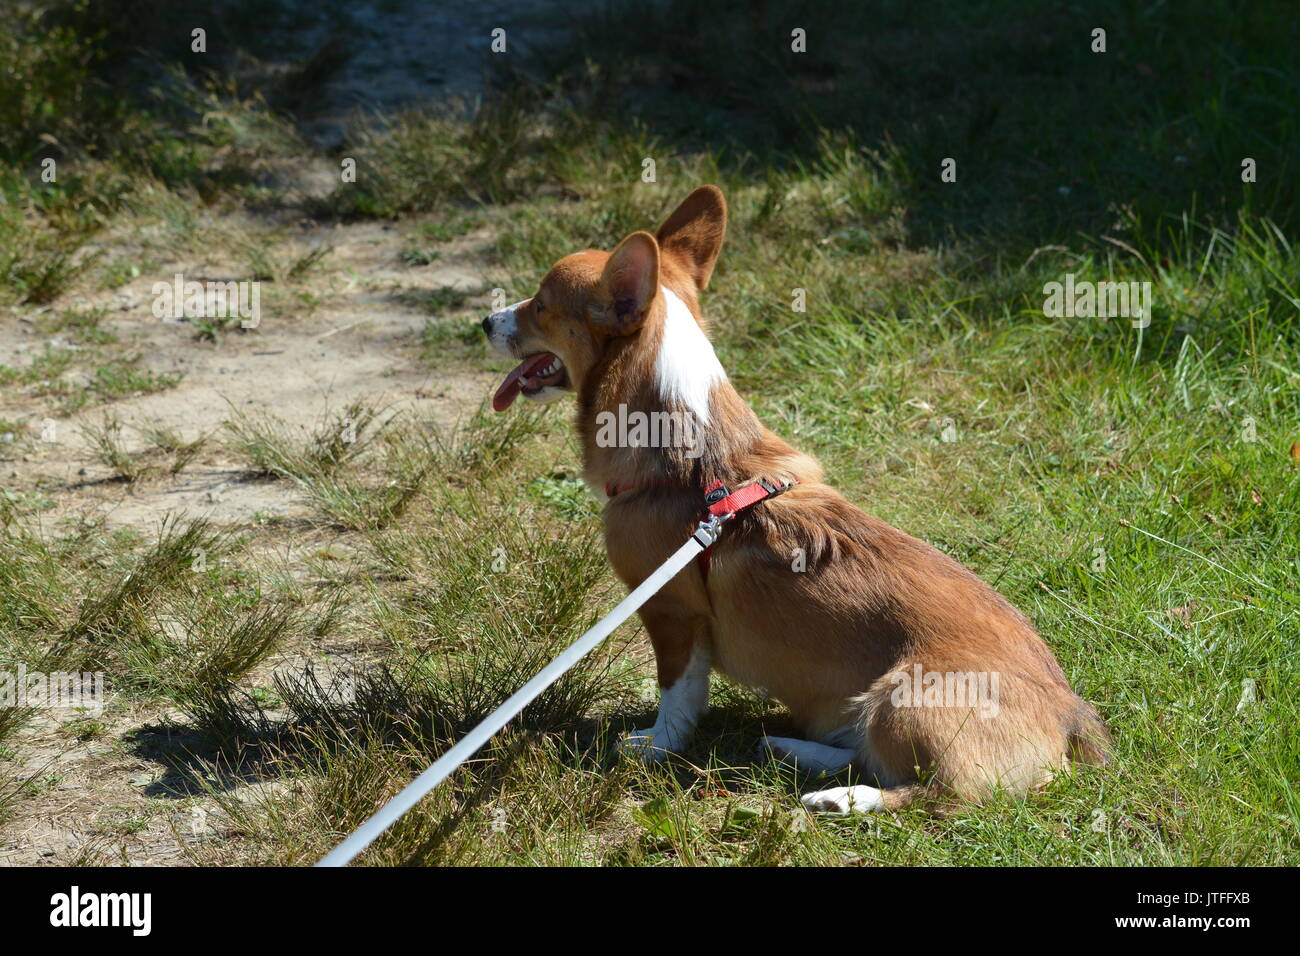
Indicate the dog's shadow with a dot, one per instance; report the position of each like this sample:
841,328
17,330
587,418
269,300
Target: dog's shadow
726,756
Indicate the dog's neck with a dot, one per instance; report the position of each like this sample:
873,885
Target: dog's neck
658,407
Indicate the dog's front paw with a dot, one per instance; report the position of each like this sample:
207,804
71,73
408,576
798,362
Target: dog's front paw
648,745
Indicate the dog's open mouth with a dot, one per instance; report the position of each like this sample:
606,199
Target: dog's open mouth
531,376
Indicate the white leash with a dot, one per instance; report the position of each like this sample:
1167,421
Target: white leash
444,766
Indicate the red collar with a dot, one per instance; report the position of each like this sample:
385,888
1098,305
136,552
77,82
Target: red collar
613,488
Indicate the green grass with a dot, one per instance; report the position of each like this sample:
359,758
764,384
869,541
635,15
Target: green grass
106,439
106,374
1135,491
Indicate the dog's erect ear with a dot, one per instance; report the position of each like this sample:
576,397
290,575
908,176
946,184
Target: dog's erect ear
628,285
693,234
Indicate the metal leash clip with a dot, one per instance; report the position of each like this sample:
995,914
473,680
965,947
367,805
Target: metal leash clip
710,529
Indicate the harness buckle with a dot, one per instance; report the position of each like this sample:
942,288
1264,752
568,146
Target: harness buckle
716,494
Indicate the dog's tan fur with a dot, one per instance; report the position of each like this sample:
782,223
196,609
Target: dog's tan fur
872,601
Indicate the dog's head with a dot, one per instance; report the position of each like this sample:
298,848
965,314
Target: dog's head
591,299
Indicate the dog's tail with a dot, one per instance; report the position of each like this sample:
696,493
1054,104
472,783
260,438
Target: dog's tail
1088,740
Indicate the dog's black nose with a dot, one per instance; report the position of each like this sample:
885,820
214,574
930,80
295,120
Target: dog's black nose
487,325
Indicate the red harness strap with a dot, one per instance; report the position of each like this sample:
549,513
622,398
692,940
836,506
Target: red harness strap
721,503
734,502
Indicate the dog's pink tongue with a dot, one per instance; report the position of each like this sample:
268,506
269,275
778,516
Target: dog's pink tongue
510,388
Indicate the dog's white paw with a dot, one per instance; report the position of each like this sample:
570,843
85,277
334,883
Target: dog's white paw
844,800
649,745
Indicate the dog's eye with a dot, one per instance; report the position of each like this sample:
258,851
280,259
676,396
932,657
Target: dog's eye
541,307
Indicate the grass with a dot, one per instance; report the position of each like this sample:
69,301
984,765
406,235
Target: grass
1135,491
106,440
105,375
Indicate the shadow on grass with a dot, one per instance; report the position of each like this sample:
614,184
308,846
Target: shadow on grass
1048,136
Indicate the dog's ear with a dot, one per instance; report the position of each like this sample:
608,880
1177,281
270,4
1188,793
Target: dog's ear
628,285
693,234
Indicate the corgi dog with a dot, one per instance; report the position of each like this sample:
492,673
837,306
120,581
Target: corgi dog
892,658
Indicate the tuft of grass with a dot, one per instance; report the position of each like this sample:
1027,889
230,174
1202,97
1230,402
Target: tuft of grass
85,326
265,258
112,613
105,440
271,449
196,647
39,266
116,376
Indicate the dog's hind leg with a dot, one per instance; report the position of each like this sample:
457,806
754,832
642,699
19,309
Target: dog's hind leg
862,799
844,800
808,755
826,758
